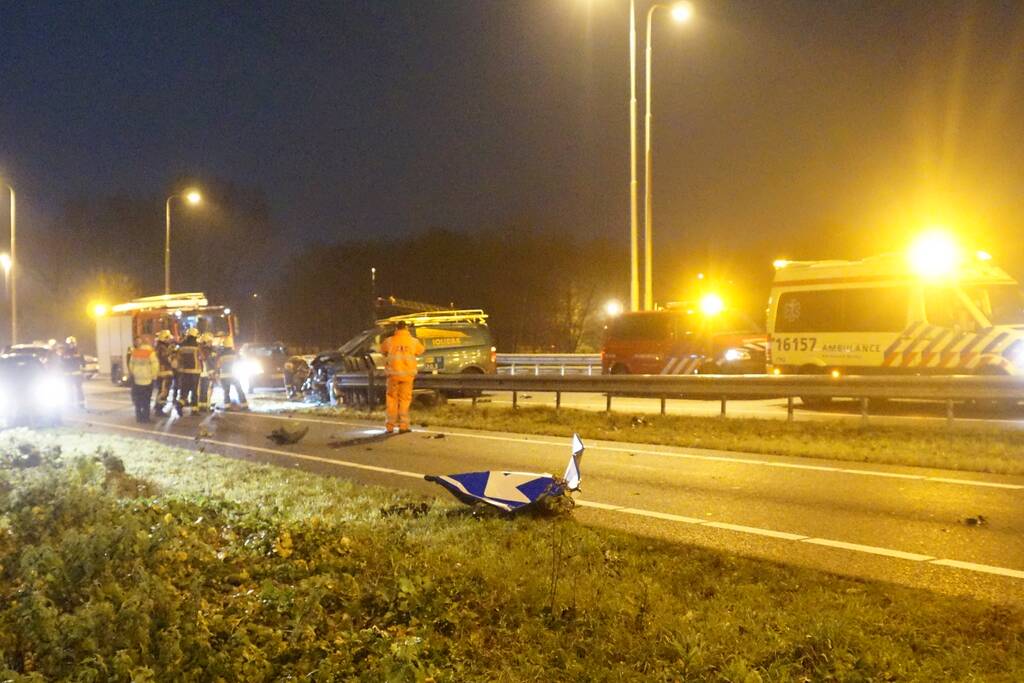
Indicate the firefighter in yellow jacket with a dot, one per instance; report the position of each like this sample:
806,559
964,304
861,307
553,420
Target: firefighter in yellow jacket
400,351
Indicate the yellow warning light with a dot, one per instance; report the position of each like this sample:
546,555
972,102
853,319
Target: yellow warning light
711,304
99,310
776,371
613,308
780,263
835,374
934,254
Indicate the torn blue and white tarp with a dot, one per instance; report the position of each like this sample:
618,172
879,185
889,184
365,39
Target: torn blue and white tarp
513,491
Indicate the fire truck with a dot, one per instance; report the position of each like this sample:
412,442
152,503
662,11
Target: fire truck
117,331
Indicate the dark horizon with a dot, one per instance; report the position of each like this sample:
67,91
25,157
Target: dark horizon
796,129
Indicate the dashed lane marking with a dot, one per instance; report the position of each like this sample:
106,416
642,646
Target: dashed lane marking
618,509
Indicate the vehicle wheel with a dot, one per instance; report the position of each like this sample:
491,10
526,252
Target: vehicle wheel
468,393
619,369
995,406
815,402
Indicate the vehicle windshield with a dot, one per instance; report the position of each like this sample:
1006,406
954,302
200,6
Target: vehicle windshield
1001,304
355,342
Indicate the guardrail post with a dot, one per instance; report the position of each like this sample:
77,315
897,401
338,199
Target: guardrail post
590,370
558,400
789,409
563,370
949,412
515,399
663,405
864,409
722,413
513,370
608,403
371,393
536,369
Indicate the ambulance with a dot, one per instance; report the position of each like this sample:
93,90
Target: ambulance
117,328
932,311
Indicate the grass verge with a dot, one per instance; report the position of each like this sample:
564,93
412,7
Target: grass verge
967,448
125,559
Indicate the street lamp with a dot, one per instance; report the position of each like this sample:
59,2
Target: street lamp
634,252
192,197
11,275
681,12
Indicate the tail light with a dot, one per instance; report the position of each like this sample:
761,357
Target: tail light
494,355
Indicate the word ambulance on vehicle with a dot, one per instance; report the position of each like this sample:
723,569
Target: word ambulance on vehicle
117,329
933,311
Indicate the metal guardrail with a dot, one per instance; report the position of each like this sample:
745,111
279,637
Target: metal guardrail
948,389
549,363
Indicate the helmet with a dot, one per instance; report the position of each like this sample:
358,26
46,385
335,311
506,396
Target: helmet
163,335
192,332
71,341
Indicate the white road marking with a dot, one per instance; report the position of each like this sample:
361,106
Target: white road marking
770,533
985,568
667,454
873,550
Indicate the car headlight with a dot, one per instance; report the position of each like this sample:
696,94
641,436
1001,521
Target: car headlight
1016,354
247,368
733,355
49,392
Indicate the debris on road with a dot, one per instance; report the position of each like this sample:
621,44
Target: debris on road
434,436
514,491
288,434
978,520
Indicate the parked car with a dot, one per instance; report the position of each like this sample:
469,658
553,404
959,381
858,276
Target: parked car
261,366
683,340
32,389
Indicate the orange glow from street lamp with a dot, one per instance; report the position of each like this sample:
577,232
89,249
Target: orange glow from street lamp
193,197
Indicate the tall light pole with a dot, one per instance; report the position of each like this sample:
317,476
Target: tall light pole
192,197
634,251
681,13
10,272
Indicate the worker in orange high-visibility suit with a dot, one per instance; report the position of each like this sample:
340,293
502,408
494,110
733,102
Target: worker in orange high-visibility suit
400,351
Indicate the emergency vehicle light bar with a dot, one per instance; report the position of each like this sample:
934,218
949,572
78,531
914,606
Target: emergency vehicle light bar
187,300
435,317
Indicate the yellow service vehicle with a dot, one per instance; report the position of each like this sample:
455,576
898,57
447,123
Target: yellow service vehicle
932,311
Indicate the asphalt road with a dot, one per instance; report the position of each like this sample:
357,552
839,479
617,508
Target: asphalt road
899,524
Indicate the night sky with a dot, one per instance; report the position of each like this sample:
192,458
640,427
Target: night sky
799,129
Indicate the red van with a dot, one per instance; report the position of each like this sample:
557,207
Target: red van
682,341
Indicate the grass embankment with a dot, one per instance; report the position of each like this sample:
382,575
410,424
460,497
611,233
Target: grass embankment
967,448
187,566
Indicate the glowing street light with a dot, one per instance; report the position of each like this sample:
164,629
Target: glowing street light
613,308
192,197
681,12
99,310
5,263
711,304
